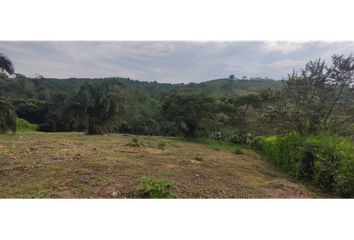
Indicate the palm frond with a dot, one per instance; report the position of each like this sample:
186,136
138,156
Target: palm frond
6,64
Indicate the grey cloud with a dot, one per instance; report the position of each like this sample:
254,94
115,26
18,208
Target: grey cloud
171,61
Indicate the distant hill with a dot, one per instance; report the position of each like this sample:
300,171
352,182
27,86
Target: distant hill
44,88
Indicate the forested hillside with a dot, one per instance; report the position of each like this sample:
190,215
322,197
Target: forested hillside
38,99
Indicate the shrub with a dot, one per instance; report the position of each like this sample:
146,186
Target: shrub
135,142
155,188
238,150
23,125
326,160
161,144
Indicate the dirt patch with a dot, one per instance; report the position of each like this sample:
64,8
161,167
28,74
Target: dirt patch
286,189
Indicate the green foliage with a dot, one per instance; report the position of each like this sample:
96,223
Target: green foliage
6,64
319,98
189,111
155,188
101,107
135,142
8,117
23,125
161,144
236,109
326,160
238,150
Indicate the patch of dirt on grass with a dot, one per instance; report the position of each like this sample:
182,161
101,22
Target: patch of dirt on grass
286,189
74,165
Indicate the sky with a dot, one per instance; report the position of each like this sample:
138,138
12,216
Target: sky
168,61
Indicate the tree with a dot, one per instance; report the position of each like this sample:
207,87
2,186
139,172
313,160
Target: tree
322,96
318,98
8,117
189,112
101,107
236,109
6,64
232,77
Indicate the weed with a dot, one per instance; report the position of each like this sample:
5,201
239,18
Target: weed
80,190
161,144
238,150
135,142
42,194
155,188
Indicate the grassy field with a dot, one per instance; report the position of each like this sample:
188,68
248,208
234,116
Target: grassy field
73,165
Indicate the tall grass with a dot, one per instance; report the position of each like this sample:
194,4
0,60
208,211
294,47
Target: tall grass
326,160
23,125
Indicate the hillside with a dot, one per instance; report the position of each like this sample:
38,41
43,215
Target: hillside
44,88
38,100
72,165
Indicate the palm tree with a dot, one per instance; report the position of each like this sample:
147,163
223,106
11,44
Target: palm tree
6,64
8,117
102,108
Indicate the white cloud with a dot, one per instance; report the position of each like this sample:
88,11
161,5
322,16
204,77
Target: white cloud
284,47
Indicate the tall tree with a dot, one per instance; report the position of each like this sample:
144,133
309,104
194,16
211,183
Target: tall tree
6,64
322,96
102,108
189,111
236,109
8,117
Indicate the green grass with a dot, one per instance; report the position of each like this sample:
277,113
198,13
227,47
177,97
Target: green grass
220,145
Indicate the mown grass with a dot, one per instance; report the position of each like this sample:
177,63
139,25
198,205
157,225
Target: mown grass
74,165
220,145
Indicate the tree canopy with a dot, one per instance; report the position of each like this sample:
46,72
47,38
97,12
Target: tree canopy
189,111
101,107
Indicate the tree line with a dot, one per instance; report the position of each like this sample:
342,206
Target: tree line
318,97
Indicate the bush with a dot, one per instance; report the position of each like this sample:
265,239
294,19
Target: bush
238,150
23,125
155,188
256,143
326,160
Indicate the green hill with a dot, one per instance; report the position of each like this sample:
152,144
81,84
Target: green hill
37,100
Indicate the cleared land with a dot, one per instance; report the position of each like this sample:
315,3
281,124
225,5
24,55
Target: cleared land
73,165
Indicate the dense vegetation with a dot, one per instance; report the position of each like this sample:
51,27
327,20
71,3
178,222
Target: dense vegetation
303,123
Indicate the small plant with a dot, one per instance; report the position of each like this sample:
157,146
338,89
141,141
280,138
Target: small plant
155,188
238,150
135,142
161,144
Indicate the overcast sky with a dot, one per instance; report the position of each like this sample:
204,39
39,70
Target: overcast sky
167,61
